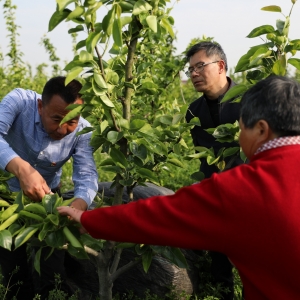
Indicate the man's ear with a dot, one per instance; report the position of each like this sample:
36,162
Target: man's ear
40,106
222,66
264,132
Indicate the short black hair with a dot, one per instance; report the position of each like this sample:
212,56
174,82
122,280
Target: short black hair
210,48
56,86
276,100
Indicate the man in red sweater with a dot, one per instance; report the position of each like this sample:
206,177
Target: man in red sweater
250,213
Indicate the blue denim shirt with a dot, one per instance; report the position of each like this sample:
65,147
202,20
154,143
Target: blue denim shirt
22,134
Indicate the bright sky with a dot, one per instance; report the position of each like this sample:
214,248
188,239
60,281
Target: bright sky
229,22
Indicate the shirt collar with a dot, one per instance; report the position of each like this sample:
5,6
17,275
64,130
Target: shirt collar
279,142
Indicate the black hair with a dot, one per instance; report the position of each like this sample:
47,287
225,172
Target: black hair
276,100
210,49
56,86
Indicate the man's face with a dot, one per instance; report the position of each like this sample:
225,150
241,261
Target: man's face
52,114
209,77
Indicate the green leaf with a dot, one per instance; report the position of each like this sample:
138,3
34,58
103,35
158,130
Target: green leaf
177,118
14,228
279,67
235,91
55,239
47,227
54,219
37,259
113,169
136,125
260,53
166,119
77,12
230,151
77,252
92,41
117,32
198,176
166,24
255,76
100,80
9,212
178,258
141,6
260,31
280,25
152,23
108,21
5,239
85,56
118,157
72,114
146,173
272,8
34,216
58,17
114,136
37,208
212,160
175,162
125,245
76,29
71,238
63,3
139,150
147,259
49,203
294,62
3,203
150,87
85,130
195,121
106,101
125,20
127,182
67,202
73,74
24,236
112,76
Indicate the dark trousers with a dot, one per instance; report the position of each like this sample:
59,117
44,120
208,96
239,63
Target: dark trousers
25,283
221,270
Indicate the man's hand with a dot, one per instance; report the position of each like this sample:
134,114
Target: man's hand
31,182
70,211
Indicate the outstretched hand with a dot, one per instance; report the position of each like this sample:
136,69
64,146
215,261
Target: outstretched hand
72,212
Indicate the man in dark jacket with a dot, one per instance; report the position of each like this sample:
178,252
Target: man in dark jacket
207,71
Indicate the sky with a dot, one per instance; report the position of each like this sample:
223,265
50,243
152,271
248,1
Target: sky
228,22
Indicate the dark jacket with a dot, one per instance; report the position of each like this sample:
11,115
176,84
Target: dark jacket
228,113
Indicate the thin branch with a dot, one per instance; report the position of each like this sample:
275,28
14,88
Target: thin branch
114,120
116,261
125,268
87,250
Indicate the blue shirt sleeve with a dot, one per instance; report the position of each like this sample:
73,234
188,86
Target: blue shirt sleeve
10,108
85,176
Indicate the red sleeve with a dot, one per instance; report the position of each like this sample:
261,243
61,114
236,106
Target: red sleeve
190,218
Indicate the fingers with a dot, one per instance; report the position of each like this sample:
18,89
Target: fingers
72,212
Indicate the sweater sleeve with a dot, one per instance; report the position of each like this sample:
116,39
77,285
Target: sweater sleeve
191,218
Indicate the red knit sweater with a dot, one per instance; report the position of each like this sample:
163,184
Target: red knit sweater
250,213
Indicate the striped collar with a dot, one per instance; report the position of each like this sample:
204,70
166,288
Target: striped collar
279,142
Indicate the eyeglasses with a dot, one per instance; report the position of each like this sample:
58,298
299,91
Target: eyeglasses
199,67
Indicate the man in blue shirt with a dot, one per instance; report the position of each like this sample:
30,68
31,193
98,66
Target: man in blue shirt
34,147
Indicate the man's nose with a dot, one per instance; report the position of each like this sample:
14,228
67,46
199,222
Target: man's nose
63,129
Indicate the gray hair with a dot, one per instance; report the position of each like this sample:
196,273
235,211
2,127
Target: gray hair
210,49
276,100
